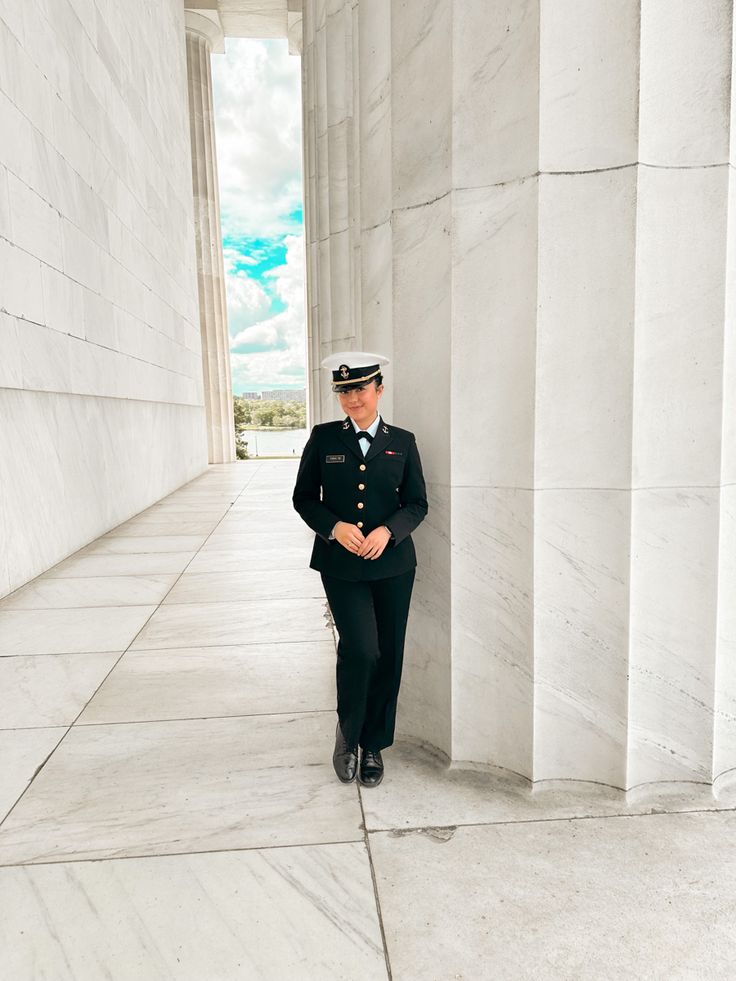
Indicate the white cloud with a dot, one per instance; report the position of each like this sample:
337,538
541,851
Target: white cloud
257,98
267,369
258,115
283,334
247,301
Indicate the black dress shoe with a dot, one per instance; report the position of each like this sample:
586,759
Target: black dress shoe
371,768
344,758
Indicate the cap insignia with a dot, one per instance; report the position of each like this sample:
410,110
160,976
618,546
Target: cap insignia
344,371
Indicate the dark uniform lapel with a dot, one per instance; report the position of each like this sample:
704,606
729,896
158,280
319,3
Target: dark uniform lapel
348,437
380,441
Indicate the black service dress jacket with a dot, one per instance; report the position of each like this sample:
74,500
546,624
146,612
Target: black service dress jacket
386,487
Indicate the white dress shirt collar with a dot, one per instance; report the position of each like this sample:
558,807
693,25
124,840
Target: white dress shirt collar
372,429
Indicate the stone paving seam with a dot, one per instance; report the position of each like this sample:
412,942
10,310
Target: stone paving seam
69,728
62,860
428,828
375,887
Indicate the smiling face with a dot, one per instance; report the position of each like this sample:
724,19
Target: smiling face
361,404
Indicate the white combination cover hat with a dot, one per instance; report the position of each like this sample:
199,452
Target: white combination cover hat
352,368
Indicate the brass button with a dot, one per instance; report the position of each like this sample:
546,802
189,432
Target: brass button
360,504
362,466
361,486
360,524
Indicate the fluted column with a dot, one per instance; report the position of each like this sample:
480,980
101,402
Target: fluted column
202,34
724,756
677,438
544,240
421,222
588,110
347,167
373,173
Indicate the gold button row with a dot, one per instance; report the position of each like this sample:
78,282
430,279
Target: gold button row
360,524
362,466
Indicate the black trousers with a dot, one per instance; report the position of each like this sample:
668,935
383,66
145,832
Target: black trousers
370,617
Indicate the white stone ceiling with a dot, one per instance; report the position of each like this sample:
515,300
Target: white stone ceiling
250,18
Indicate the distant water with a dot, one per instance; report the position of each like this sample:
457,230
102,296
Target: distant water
276,442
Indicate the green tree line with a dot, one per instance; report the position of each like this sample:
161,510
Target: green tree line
256,414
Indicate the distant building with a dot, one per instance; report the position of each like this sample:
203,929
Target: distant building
250,395
285,395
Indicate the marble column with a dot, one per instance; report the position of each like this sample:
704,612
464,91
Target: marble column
203,35
682,209
724,755
538,211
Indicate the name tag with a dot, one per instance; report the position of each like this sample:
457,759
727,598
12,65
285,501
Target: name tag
335,458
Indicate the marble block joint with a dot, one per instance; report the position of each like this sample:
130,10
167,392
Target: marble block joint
100,354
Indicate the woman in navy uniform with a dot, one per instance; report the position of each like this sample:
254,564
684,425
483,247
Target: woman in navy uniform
360,488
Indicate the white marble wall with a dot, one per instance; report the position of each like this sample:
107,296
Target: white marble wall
537,218
100,366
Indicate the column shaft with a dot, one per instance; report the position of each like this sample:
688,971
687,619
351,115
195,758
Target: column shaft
543,239
210,266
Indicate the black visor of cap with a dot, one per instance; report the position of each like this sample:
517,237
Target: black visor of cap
345,378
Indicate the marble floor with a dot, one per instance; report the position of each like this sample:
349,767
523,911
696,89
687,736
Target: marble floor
168,808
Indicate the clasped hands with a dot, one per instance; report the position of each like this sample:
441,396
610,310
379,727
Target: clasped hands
369,546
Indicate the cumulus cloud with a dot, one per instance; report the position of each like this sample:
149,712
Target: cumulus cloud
266,369
247,300
257,96
258,128
272,350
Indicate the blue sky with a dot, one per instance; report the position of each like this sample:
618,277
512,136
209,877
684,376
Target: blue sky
258,130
